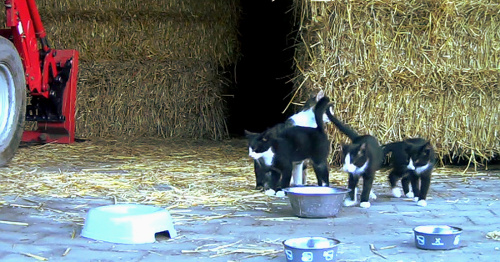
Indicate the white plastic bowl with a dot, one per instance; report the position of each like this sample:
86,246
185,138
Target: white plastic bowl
127,223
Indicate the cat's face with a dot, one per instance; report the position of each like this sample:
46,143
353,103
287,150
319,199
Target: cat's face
260,145
355,158
420,157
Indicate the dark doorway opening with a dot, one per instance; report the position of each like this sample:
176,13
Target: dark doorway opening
262,75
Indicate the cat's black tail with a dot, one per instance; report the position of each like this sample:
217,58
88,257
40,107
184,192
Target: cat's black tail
341,126
319,110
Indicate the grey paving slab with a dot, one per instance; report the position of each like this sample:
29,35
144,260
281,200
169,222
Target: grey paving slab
473,206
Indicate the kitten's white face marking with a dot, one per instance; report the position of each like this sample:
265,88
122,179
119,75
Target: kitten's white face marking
352,168
268,156
410,165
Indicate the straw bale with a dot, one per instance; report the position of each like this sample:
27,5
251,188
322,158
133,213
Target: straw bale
400,69
148,69
140,98
133,30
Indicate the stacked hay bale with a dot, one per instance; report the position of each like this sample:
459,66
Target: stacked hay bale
147,68
399,69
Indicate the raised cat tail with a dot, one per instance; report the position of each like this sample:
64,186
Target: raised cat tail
341,126
319,110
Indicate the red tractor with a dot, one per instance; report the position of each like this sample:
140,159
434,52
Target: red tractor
28,65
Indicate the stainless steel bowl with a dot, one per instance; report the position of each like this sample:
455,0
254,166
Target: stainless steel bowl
316,201
311,249
437,237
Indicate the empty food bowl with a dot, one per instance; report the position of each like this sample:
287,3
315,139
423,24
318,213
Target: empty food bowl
311,249
127,223
316,201
437,237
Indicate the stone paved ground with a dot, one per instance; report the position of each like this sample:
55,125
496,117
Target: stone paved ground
52,227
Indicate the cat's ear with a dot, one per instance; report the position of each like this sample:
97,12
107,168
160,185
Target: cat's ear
362,148
407,147
249,134
320,95
427,148
344,148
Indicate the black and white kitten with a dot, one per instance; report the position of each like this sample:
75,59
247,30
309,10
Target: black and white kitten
304,118
280,150
412,161
362,158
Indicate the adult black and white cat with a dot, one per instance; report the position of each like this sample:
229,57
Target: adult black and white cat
412,161
304,118
280,150
362,158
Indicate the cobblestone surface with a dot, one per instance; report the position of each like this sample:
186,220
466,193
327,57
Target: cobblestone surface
50,229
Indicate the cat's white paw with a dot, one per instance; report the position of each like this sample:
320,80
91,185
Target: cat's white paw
365,204
372,195
270,192
396,192
415,199
280,193
422,203
349,203
410,195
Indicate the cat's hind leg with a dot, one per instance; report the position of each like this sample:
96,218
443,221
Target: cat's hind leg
322,175
298,178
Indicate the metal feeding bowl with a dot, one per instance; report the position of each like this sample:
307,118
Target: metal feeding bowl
316,201
437,237
127,223
311,249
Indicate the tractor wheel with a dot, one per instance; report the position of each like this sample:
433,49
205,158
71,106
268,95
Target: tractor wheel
12,100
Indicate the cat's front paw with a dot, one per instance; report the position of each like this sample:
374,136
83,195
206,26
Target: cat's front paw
410,195
270,192
396,192
365,204
280,193
349,203
422,203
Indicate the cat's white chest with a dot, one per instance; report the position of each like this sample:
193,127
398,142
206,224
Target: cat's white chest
352,168
267,156
419,169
